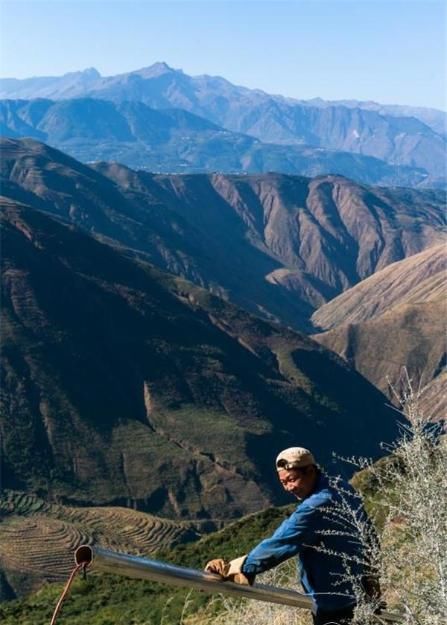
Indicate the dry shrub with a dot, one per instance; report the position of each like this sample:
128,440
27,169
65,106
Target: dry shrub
414,542
412,506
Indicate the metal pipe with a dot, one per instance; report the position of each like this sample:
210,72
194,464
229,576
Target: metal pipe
143,568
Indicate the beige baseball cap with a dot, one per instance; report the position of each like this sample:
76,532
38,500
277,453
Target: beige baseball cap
294,458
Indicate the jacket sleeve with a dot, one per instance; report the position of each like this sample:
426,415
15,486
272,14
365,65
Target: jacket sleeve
287,541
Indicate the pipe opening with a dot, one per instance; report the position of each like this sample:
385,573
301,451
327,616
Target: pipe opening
83,555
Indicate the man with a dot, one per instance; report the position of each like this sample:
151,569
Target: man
328,531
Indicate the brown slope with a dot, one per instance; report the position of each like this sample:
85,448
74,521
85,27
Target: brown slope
123,385
393,320
420,278
278,245
434,396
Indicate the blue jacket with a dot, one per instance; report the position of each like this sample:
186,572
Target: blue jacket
307,533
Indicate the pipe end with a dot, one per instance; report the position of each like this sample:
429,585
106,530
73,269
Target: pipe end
83,555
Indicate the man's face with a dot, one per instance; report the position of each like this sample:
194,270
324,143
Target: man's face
298,482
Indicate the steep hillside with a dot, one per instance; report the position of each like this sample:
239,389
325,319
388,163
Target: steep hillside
173,140
280,246
122,385
419,278
399,139
395,319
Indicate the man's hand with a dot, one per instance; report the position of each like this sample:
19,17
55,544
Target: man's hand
217,566
229,571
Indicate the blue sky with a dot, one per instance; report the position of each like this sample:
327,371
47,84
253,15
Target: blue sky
391,51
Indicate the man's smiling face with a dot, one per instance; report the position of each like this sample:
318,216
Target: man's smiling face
298,482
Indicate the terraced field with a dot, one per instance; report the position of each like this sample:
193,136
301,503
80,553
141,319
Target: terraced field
37,539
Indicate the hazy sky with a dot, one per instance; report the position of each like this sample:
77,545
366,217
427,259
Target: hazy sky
391,51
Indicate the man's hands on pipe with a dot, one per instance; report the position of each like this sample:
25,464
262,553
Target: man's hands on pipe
229,571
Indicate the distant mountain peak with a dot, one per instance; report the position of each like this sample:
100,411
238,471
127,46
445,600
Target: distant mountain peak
155,70
91,72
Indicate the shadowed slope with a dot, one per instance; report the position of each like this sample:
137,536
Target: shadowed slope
124,385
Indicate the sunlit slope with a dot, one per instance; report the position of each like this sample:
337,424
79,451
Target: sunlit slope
417,279
393,320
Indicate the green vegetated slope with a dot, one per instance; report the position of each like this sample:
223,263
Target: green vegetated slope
279,246
110,600
123,385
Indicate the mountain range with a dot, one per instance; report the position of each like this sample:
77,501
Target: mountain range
173,140
402,137
279,246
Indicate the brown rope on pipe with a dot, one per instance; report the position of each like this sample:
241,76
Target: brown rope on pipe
58,607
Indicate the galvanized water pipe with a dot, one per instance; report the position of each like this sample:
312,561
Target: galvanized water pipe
143,568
